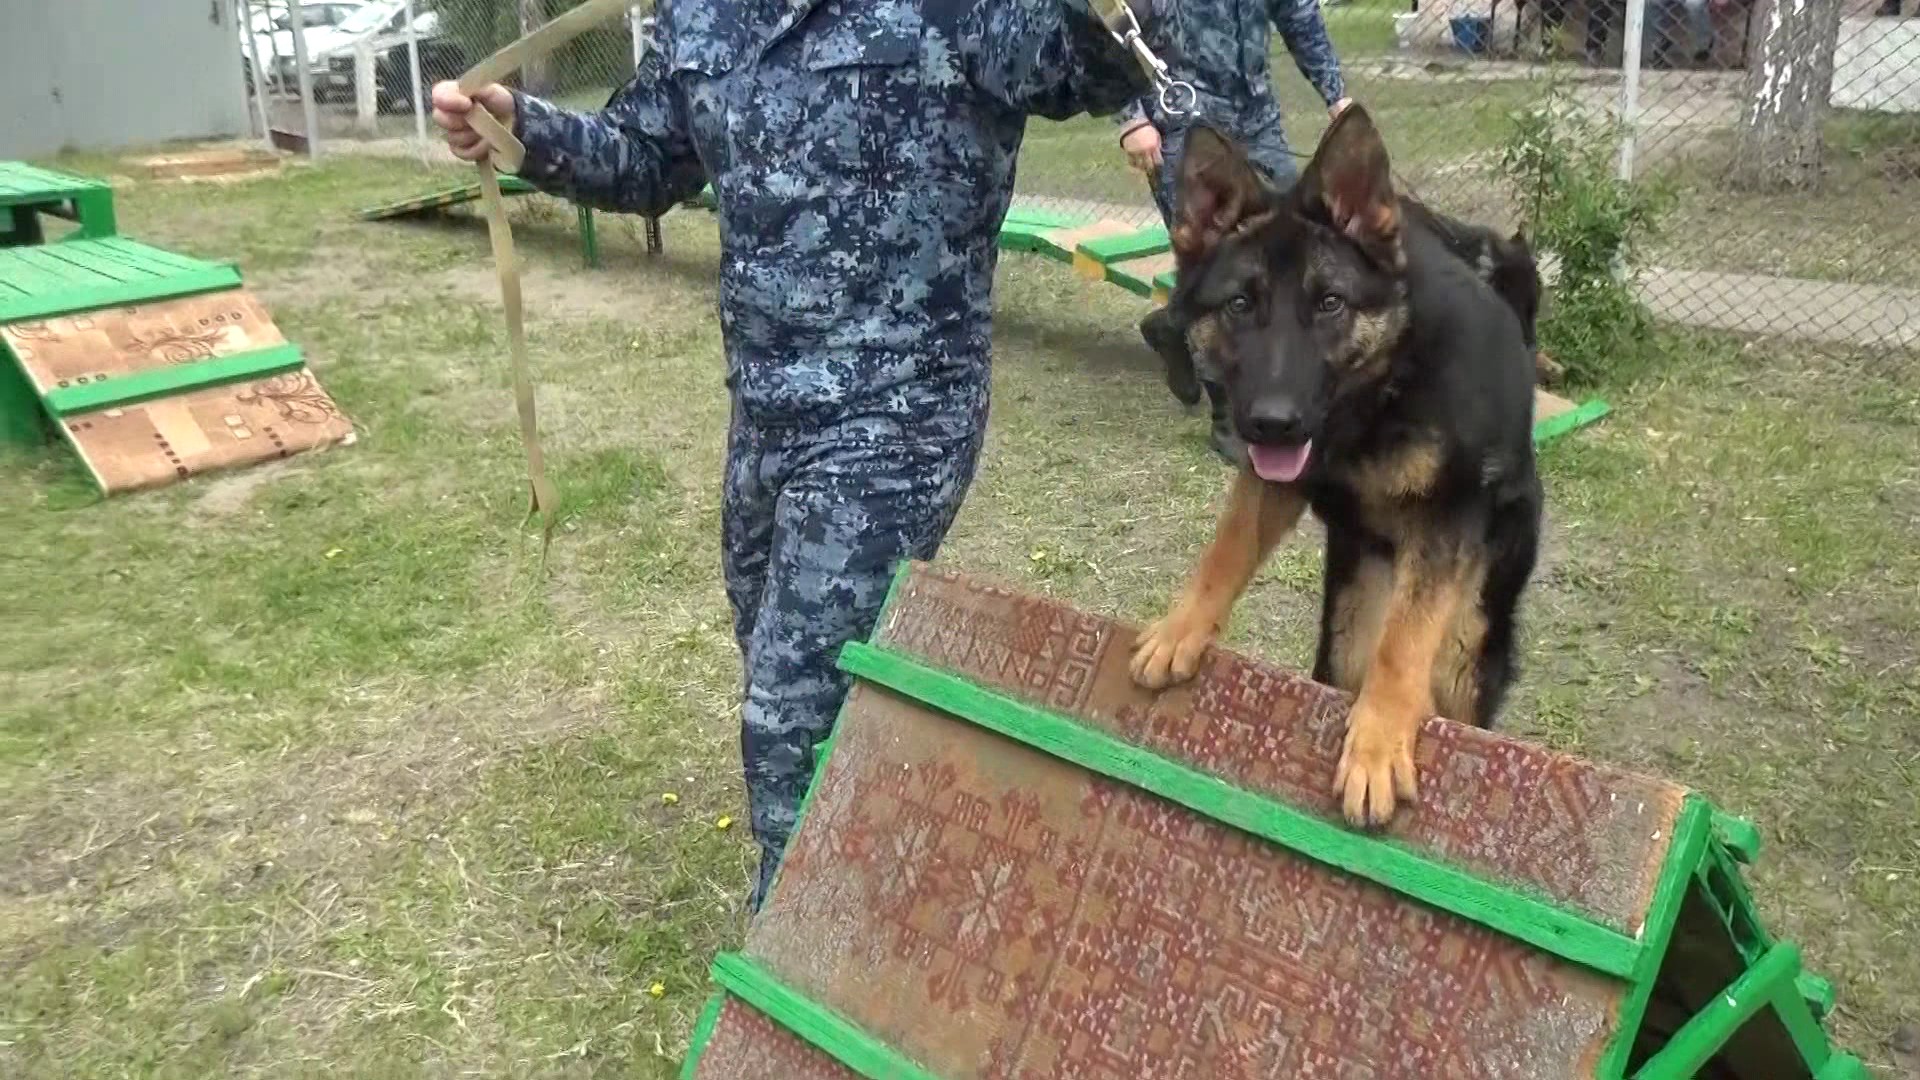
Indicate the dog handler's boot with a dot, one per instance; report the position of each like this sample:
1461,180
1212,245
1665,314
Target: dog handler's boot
1170,341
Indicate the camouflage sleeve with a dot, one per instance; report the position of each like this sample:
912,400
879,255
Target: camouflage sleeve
1051,58
1132,116
1305,32
633,156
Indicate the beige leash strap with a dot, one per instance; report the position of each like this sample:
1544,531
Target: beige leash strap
508,155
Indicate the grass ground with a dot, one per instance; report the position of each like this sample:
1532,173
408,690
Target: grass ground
311,770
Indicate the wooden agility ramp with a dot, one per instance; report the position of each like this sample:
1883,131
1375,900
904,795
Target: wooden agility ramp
1013,863
438,201
153,366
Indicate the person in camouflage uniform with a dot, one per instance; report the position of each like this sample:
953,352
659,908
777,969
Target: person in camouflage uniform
1220,47
862,156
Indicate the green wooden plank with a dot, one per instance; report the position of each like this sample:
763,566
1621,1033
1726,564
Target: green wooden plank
1818,993
69,301
1138,245
22,422
146,255
27,278
1844,1067
1738,836
1050,219
1553,427
1702,1037
814,1023
172,379
1565,934
20,182
104,268
65,271
1691,831
1133,283
702,1034
1797,1017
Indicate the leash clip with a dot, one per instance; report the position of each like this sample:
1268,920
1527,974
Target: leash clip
1125,28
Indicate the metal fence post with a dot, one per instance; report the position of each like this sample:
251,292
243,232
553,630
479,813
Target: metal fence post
418,94
637,18
308,107
259,74
1630,84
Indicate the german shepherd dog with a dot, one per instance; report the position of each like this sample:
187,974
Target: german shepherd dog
1379,381
1505,263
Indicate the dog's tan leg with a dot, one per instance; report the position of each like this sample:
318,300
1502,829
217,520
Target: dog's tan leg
1358,612
1396,696
1258,516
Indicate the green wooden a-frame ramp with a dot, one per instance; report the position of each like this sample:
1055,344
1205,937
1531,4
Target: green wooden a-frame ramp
153,366
1013,863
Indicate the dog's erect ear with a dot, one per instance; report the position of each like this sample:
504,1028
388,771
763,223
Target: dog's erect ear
1218,191
1352,180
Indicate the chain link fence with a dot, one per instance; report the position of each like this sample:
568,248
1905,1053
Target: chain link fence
1782,138
1776,145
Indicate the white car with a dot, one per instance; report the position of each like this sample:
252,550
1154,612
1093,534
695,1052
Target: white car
273,33
382,27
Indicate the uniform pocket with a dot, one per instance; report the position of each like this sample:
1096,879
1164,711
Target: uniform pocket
863,99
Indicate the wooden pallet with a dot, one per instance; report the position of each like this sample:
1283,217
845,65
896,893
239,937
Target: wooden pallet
1014,863
27,193
153,366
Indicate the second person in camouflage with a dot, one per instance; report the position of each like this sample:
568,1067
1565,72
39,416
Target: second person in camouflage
1220,48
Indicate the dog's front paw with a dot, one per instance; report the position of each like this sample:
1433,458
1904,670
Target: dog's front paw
1376,764
1169,651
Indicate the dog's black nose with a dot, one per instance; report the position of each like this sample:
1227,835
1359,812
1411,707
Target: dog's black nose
1275,424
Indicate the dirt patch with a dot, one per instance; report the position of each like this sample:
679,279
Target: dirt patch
227,494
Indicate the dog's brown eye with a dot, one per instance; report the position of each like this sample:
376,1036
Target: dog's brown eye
1331,304
1239,305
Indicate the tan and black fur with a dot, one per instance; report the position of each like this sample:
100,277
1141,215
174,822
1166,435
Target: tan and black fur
1391,383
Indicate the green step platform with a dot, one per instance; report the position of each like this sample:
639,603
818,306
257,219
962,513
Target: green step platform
29,193
152,365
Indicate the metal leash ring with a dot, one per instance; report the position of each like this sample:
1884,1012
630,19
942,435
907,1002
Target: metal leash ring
1169,93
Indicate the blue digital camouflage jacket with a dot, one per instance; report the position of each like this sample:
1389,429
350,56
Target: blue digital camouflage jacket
1221,46
862,154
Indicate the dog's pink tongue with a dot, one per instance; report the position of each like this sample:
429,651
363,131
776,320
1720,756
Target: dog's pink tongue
1280,464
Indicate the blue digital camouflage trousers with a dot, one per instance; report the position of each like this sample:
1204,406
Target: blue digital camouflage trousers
815,520
1258,131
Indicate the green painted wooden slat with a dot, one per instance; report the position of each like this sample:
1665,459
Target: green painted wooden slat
814,1023
1553,427
47,260
1691,831
172,379
1133,283
1844,1067
69,301
1738,836
1537,922
101,264
26,278
1701,1037
1139,245
145,255
702,1035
